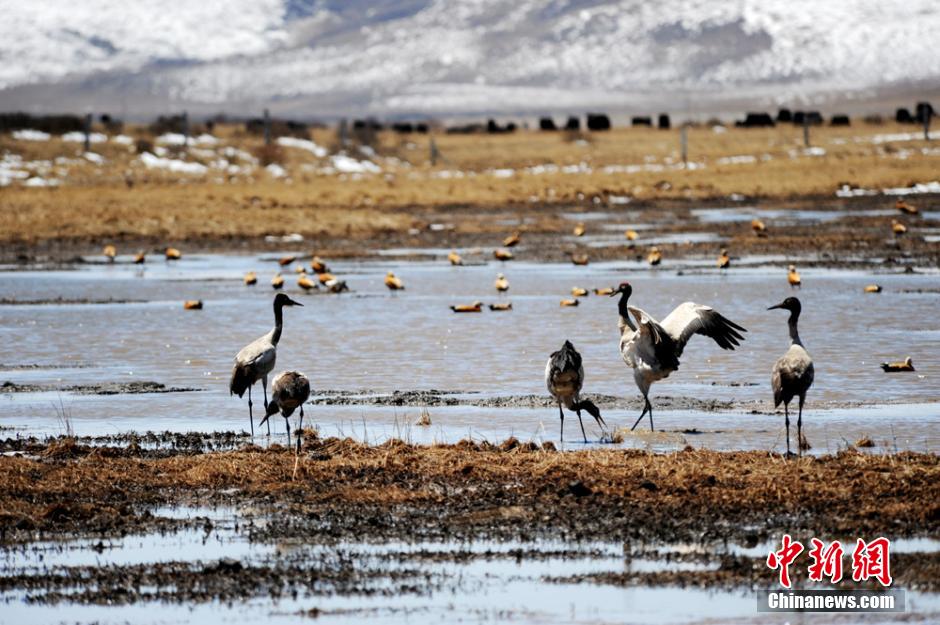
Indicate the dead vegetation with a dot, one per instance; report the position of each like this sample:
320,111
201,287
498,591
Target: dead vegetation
123,200
66,486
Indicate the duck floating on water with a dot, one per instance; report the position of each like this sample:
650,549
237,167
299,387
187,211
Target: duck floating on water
501,284
499,307
192,304
454,258
475,307
569,302
873,288
250,278
277,282
579,292
502,255
893,367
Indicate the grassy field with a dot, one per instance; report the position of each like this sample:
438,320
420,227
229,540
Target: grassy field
123,198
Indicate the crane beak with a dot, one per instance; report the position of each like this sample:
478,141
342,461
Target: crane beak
295,303
777,306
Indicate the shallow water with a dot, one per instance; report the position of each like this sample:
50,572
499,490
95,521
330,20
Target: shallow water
373,339
478,581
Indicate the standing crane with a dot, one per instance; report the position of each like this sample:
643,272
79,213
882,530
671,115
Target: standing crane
652,348
793,372
289,391
564,376
256,360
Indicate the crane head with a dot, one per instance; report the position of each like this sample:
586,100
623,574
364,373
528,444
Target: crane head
791,303
281,299
624,288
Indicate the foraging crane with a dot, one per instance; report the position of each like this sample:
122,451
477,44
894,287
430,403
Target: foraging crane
256,360
793,372
501,284
652,348
564,376
289,391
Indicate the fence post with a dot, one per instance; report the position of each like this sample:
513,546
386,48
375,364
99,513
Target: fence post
435,153
185,128
927,115
88,132
684,143
267,127
805,130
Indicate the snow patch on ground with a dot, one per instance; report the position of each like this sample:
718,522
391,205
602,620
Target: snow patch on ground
302,144
172,164
30,135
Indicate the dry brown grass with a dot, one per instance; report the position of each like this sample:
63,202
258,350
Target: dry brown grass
841,493
98,202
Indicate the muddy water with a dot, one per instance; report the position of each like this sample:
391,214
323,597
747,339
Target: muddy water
379,341
479,581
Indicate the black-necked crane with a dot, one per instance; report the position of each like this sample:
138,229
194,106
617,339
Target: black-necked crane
289,391
793,372
393,283
501,284
564,377
892,367
724,261
652,348
512,240
654,257
110,252
277,282
256,360
579,229
793,277
454,258
251,278
902,205
172,253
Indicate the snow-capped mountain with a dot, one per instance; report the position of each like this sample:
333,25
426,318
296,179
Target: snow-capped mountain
332,57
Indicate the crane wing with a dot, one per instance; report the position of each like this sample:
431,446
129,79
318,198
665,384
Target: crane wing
664,346
691,318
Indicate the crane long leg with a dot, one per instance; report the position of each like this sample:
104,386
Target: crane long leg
786,416
642,414
251,417
650,406
582,426
300,427
799,429
264,387
561,434
287,425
